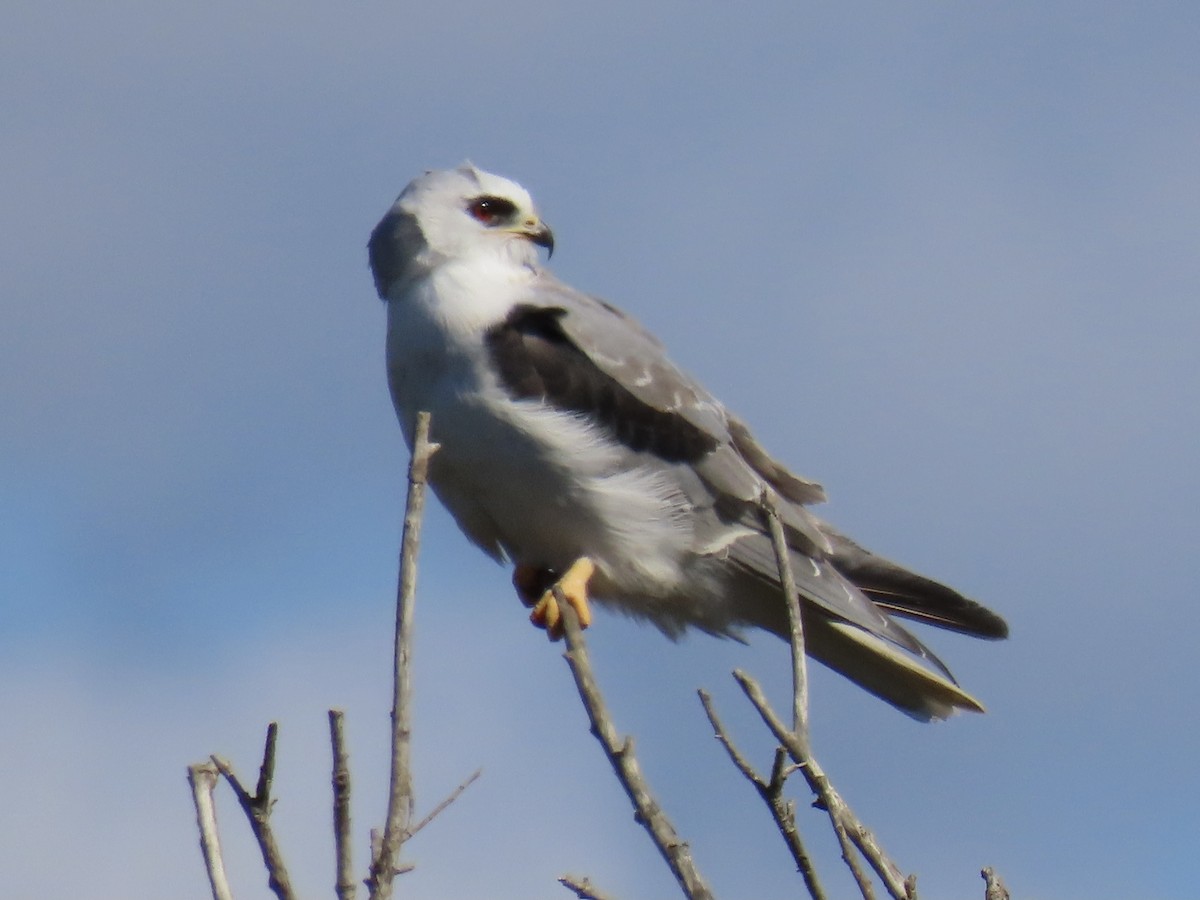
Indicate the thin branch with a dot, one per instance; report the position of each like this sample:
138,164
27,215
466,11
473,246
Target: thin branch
257,807
791,595
620,755
583,888
437,810
203,779
849,831
400,795
344,883
994,888
787,581
782,811
735,755
839,811
266,772
851,860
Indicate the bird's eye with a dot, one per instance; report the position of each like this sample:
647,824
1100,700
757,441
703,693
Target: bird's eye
492,210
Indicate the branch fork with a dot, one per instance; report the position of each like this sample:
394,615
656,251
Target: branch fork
792,754
398,828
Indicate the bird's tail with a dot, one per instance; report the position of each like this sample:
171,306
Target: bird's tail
846,600
908,594
878,666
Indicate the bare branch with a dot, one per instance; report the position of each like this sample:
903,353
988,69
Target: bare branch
848,830
994,888
257,807
791,595
620,755
344,883
583,888
735,756
266,772
782,811
851,860
400,796
437,810
203,779
839,812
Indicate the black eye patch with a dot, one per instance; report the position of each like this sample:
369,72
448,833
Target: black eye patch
492,210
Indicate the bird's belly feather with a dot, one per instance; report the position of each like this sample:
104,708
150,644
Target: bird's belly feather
542,486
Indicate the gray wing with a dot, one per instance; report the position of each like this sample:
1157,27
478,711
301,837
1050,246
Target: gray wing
733,465
586,356
608,356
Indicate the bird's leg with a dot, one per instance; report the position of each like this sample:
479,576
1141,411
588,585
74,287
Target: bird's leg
574,586
531,582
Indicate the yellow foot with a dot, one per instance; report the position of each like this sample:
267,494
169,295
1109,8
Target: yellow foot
573,585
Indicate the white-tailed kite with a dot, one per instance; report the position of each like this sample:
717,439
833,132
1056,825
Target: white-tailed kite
573,447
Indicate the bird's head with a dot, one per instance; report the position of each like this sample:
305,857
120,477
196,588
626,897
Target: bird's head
454,214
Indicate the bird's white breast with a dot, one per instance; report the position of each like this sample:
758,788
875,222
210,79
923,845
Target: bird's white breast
521,478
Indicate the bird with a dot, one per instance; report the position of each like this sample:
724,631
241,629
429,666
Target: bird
571,447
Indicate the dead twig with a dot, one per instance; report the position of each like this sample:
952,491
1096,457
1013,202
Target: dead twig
771,791
203,779
994,888
787,581
849,831
257,807
829,799
851,860
437,810
400,794
344,882
385,844
583,888
620,755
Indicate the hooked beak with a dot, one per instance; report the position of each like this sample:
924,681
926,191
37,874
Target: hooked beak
540,234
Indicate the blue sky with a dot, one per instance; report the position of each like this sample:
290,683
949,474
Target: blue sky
941,256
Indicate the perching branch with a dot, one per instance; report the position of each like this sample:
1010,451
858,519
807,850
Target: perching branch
257,807
793,743
400,794
203,779
620,755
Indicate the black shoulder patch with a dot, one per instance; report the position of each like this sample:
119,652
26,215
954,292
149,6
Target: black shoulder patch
536,359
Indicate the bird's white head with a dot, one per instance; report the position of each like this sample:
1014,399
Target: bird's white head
455,214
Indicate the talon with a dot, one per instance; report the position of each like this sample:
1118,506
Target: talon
546,615
574,586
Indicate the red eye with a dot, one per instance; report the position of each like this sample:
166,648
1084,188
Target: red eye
492,210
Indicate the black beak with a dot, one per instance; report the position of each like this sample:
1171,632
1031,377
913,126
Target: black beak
543,237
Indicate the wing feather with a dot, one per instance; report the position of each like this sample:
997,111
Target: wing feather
735,467
587,356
